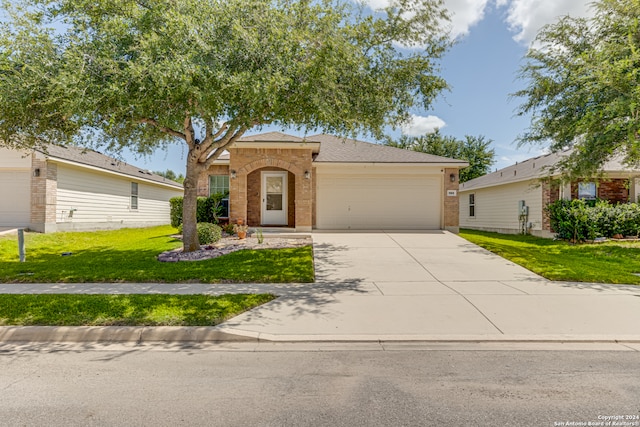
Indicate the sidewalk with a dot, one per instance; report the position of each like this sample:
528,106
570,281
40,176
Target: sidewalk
389,287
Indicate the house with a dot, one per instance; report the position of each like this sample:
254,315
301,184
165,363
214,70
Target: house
326,182
513,199
70,188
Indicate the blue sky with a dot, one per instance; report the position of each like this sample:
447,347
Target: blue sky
492,39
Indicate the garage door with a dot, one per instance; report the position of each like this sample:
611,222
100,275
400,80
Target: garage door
15,199
380,201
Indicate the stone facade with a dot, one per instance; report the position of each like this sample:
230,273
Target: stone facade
613,190
244,189
203,179
451,202
44,191
550,194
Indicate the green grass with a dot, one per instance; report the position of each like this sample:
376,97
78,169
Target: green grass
129,255
609,262
124,310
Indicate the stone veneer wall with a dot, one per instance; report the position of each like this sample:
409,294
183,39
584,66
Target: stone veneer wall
44,192
451,203
244,161
613,190
550,194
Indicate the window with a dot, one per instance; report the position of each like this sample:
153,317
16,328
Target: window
472,205
134,195
219,184
587,190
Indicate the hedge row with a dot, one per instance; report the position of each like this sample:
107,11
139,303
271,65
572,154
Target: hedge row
578,221
208,209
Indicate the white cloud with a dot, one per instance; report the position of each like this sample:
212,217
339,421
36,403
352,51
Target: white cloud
465,14
421,125
527,17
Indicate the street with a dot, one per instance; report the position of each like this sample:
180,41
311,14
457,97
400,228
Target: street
351,384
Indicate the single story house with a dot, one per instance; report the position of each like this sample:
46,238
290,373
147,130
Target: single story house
513,199
70,188
326,182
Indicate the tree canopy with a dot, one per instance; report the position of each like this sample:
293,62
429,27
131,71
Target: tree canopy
473,149
142,73
584,87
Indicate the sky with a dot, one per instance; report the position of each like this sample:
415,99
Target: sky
492,38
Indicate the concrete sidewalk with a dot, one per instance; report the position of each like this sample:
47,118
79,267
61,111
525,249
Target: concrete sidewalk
392,286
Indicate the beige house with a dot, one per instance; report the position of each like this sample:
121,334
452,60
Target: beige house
68,188
513,199
326,182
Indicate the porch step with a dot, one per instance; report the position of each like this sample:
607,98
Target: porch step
279,232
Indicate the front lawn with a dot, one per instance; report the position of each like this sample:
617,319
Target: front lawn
129,255
608,262
124,310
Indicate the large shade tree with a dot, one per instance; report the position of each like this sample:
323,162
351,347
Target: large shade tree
474,149
144,73
583,87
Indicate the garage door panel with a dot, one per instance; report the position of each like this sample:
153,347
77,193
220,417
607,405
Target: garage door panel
15,199
379,201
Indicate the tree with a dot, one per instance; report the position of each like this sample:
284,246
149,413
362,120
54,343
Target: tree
169,174
584,87
473,149
143,73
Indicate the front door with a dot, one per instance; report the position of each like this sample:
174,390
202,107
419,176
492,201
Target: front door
274,198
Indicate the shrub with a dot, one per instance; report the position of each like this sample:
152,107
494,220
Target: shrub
208,209
576,220
229,228
208,233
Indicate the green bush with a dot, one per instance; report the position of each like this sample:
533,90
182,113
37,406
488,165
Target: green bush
578,221
207,232
208,209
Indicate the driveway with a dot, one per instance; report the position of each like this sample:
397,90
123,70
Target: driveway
435,286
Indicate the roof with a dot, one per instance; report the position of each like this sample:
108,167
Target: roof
334,149
534,168
273,137
96,159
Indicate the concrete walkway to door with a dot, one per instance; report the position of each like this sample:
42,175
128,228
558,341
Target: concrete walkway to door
435,286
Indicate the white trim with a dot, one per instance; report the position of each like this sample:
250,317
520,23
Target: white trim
390,164
285,202
315,146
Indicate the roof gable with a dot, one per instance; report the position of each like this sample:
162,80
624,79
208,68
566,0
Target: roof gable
88,157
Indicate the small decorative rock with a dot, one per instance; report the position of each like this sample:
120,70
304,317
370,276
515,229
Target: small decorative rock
226,245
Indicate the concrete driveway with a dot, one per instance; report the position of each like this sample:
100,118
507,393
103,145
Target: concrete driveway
435,286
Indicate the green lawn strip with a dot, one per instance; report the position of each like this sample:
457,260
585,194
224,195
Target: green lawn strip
130,256
608,262
124,310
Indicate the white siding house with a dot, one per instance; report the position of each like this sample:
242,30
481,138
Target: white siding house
68,188
494,202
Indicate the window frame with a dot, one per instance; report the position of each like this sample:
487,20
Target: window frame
134,197
593,190
472,205
225,200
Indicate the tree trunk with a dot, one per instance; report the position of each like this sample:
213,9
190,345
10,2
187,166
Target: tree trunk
190,205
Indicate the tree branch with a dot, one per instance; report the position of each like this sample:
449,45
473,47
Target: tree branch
230,139
161,128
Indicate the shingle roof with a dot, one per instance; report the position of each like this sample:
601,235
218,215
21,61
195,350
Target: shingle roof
96,159
273,137
335,149
534,168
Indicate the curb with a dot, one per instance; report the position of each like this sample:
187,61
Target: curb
117,334
212,334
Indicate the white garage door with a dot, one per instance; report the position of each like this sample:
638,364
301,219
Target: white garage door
15,199
380,201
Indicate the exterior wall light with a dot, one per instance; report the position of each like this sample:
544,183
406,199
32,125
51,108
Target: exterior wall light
36,172
233,174
452,177
307,175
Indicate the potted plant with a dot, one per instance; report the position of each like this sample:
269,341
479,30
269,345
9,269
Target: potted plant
240,230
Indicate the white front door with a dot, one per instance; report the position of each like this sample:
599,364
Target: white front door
274,198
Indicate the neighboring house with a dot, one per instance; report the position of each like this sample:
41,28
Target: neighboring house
70,188
512,199
329,183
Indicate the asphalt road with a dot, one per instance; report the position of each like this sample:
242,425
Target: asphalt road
297,385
